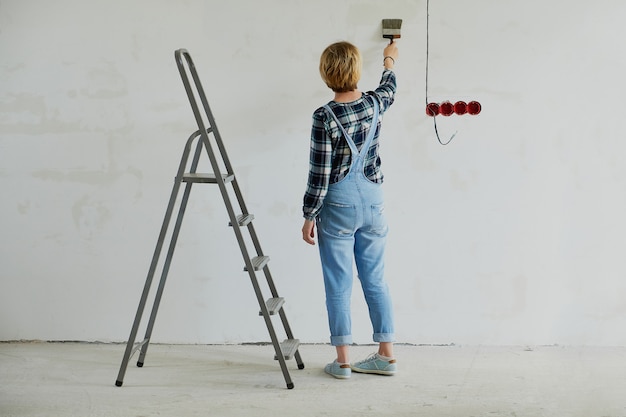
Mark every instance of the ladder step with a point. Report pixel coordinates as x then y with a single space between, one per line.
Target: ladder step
289 347
206 178
243 219
258 263
273 305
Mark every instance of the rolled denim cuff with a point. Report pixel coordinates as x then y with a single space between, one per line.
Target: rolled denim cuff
341 340
384 337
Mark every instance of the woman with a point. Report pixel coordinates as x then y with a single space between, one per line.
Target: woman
344 200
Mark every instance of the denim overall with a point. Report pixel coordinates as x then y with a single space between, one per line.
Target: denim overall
352 229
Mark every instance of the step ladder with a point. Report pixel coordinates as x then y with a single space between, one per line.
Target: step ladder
255 261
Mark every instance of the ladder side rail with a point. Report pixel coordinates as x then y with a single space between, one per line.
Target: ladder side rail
170 251
270 283
152 269
183 53
179 54
209 114
222 148
270 328
289 333
218 176
281 311
236 228
274 292
214 163
282 314
216 134
259 250
257 289
244 209
244 251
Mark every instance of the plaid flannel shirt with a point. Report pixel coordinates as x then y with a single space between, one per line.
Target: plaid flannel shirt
330 155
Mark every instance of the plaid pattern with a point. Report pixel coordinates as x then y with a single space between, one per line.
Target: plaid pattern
330 156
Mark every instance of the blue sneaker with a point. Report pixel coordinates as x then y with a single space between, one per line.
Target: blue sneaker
373 364
340 371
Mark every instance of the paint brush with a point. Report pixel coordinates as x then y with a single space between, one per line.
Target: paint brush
391 29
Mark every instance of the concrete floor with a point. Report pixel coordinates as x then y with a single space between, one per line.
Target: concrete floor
78 379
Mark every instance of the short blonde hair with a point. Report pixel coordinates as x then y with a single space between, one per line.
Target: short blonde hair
340 67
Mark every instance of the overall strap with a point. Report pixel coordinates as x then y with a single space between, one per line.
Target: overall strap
372 132
370 135
349 140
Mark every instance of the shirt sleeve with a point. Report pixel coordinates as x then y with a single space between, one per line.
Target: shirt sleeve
386 90
320 164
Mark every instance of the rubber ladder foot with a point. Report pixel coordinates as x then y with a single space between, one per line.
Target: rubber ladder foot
290 385
301 366
140 364
118 383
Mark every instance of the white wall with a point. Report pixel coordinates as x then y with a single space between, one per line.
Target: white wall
512 234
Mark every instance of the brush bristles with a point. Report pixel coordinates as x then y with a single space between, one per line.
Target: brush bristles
392 23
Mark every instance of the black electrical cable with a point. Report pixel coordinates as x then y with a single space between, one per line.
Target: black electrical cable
427 57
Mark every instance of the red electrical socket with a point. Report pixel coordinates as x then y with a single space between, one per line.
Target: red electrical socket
460 108
474 107
446 108
432 109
